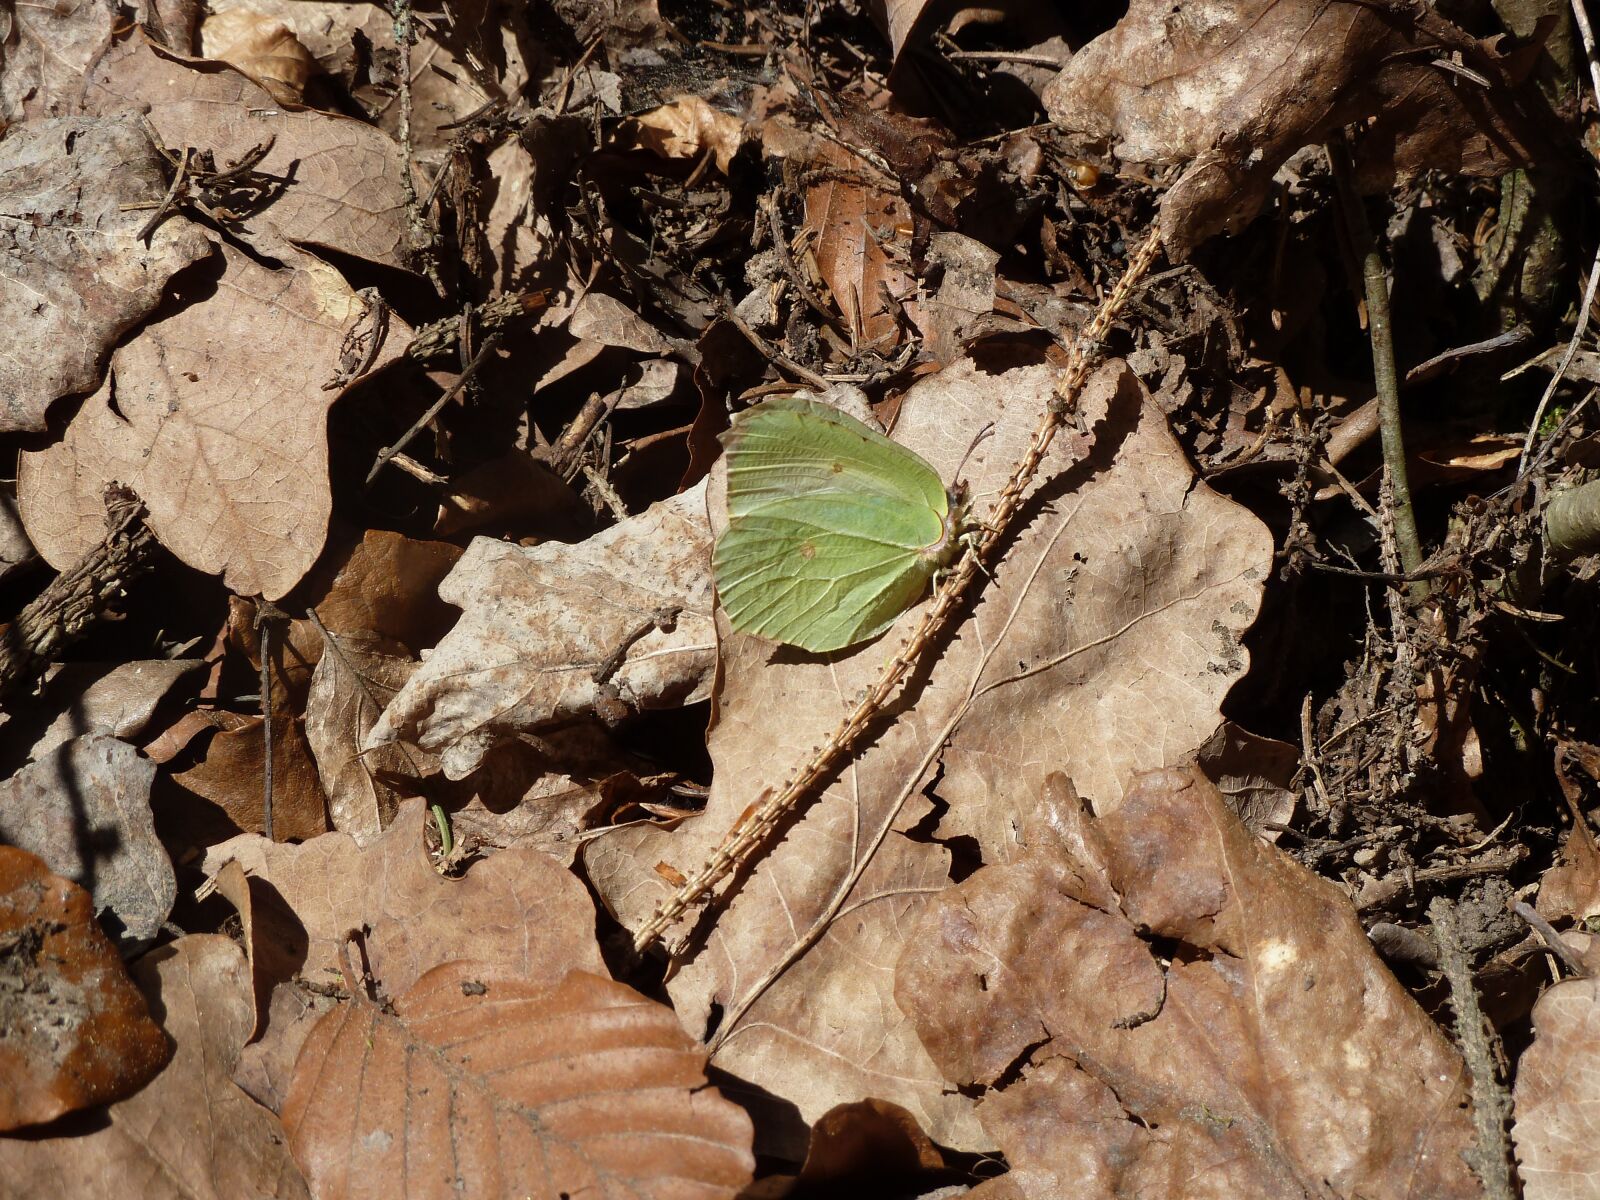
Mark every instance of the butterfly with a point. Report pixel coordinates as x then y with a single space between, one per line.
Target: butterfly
833 529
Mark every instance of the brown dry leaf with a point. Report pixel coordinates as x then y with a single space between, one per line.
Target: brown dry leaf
1231 91
542 797
357 675
16 550
852 215
489 1086
538 621
1570 890
346 192
1277 1056
518 911
85 809
1557 1102
74 1031
261 48
965 296
46 51
869 1142
604 319
385 584
1105 643
341 38
216 417
74 274
190 1134
82 698
687 128
1255 773
229 776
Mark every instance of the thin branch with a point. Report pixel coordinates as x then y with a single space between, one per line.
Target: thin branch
1385 378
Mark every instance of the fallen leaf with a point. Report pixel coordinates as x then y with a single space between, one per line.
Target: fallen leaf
865 1143
230 777
1255 774
74 1031
216 424
1570 890
520 912
852 215
15 549
347 193
1557 1100
491 1086
49 49
85 809
604 319
687 128
355 677
1105 642
74 274
384 583
82 698
537 621
1274 1056
1230 92
190 1134
265 50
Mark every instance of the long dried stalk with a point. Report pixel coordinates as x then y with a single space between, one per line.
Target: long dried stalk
752 829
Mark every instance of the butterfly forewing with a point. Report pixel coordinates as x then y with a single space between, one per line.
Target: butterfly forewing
790 446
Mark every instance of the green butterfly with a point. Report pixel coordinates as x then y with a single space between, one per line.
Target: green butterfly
833 530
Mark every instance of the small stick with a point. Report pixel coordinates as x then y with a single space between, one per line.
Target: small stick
1490 1159
80 596
752 830
1385 379
388 452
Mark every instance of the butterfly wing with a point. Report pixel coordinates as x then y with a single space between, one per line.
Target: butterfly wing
790 446
831 527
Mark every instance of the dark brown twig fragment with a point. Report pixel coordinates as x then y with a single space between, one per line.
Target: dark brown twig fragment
1490 1159
80 596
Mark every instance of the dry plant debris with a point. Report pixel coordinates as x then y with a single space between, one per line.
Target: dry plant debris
491 1086
395 343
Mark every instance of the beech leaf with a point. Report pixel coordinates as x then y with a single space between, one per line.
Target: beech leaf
495 1087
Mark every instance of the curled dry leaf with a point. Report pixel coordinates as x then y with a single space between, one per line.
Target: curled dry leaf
74 1031
687 128
216 417
264 49
1275 1056
1230 91
85 809
494 1087
521 912
1558 1094
1105 641
347 192
190 1134
539 622
355 677
74 274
